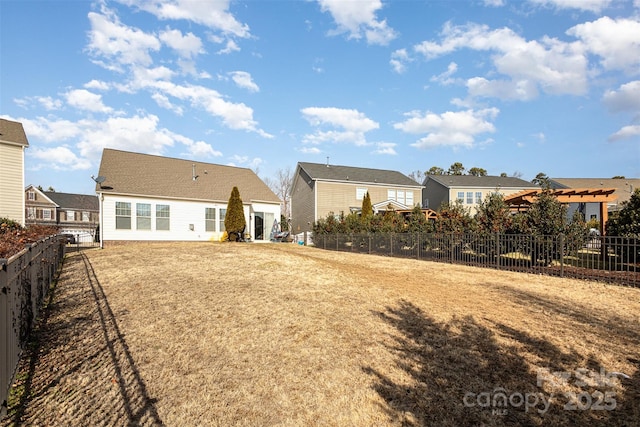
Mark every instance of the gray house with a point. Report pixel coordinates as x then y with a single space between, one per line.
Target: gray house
472 190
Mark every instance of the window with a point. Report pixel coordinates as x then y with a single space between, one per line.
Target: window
400 197
31 195
478 197
143 216
31 213
123 216
360 192
223 213
163 217
209 219
461 195
469 197
391 194
71 216
46 214
86 216
409 198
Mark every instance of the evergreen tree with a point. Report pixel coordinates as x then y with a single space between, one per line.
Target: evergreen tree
494 215
625 223
454 218
367 208
234 220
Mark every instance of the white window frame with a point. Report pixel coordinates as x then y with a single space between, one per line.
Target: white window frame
210 219
391 195
143 221
123 212
46 214
86 216
163 222
408 198
70 215
31 195
360 192
460 196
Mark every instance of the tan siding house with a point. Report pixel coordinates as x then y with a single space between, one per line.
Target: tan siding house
150 198
13 142
321 189
471 190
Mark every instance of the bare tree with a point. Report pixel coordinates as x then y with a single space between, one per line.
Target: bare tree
281 185
417 175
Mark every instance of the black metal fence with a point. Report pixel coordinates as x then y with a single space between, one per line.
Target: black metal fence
25 279
605 258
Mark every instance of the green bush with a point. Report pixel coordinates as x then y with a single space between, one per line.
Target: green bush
234 220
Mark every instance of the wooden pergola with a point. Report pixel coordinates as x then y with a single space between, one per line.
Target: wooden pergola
523 199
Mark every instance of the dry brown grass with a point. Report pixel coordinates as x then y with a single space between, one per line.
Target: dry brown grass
278 334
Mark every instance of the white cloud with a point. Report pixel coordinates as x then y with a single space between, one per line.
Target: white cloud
115 42
79 144
187 46
522 90
246 161
244 80
58 158
589 5
445 77
615 41
351 120
82 99
626 98
358 18
234 115
551 65
97 85
352 125
164 102
626 132
212 14
230 46
450 128
494 3
399 60
387 148
310 150
49 103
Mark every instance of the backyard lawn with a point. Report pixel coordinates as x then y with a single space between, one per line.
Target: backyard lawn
221 334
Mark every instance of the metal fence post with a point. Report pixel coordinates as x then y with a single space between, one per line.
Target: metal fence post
561 240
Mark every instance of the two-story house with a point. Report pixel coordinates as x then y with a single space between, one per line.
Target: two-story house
471 190
13 142
319 189
76 214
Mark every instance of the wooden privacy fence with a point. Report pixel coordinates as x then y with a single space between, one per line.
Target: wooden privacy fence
25 279
608 258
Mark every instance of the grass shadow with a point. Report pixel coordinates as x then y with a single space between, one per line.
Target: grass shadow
465 373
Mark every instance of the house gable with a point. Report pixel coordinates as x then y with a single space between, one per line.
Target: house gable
13 142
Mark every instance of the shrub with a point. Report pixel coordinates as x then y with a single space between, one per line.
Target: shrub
234 220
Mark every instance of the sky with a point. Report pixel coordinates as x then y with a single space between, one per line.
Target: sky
516 87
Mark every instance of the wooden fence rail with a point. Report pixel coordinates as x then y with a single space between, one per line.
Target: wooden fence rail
25 279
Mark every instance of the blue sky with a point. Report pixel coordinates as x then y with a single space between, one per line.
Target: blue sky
518 87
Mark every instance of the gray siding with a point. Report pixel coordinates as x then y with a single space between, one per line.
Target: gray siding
302 202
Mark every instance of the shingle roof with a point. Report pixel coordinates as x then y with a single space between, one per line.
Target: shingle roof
480 181
73 201
321 171
155 176
12 132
